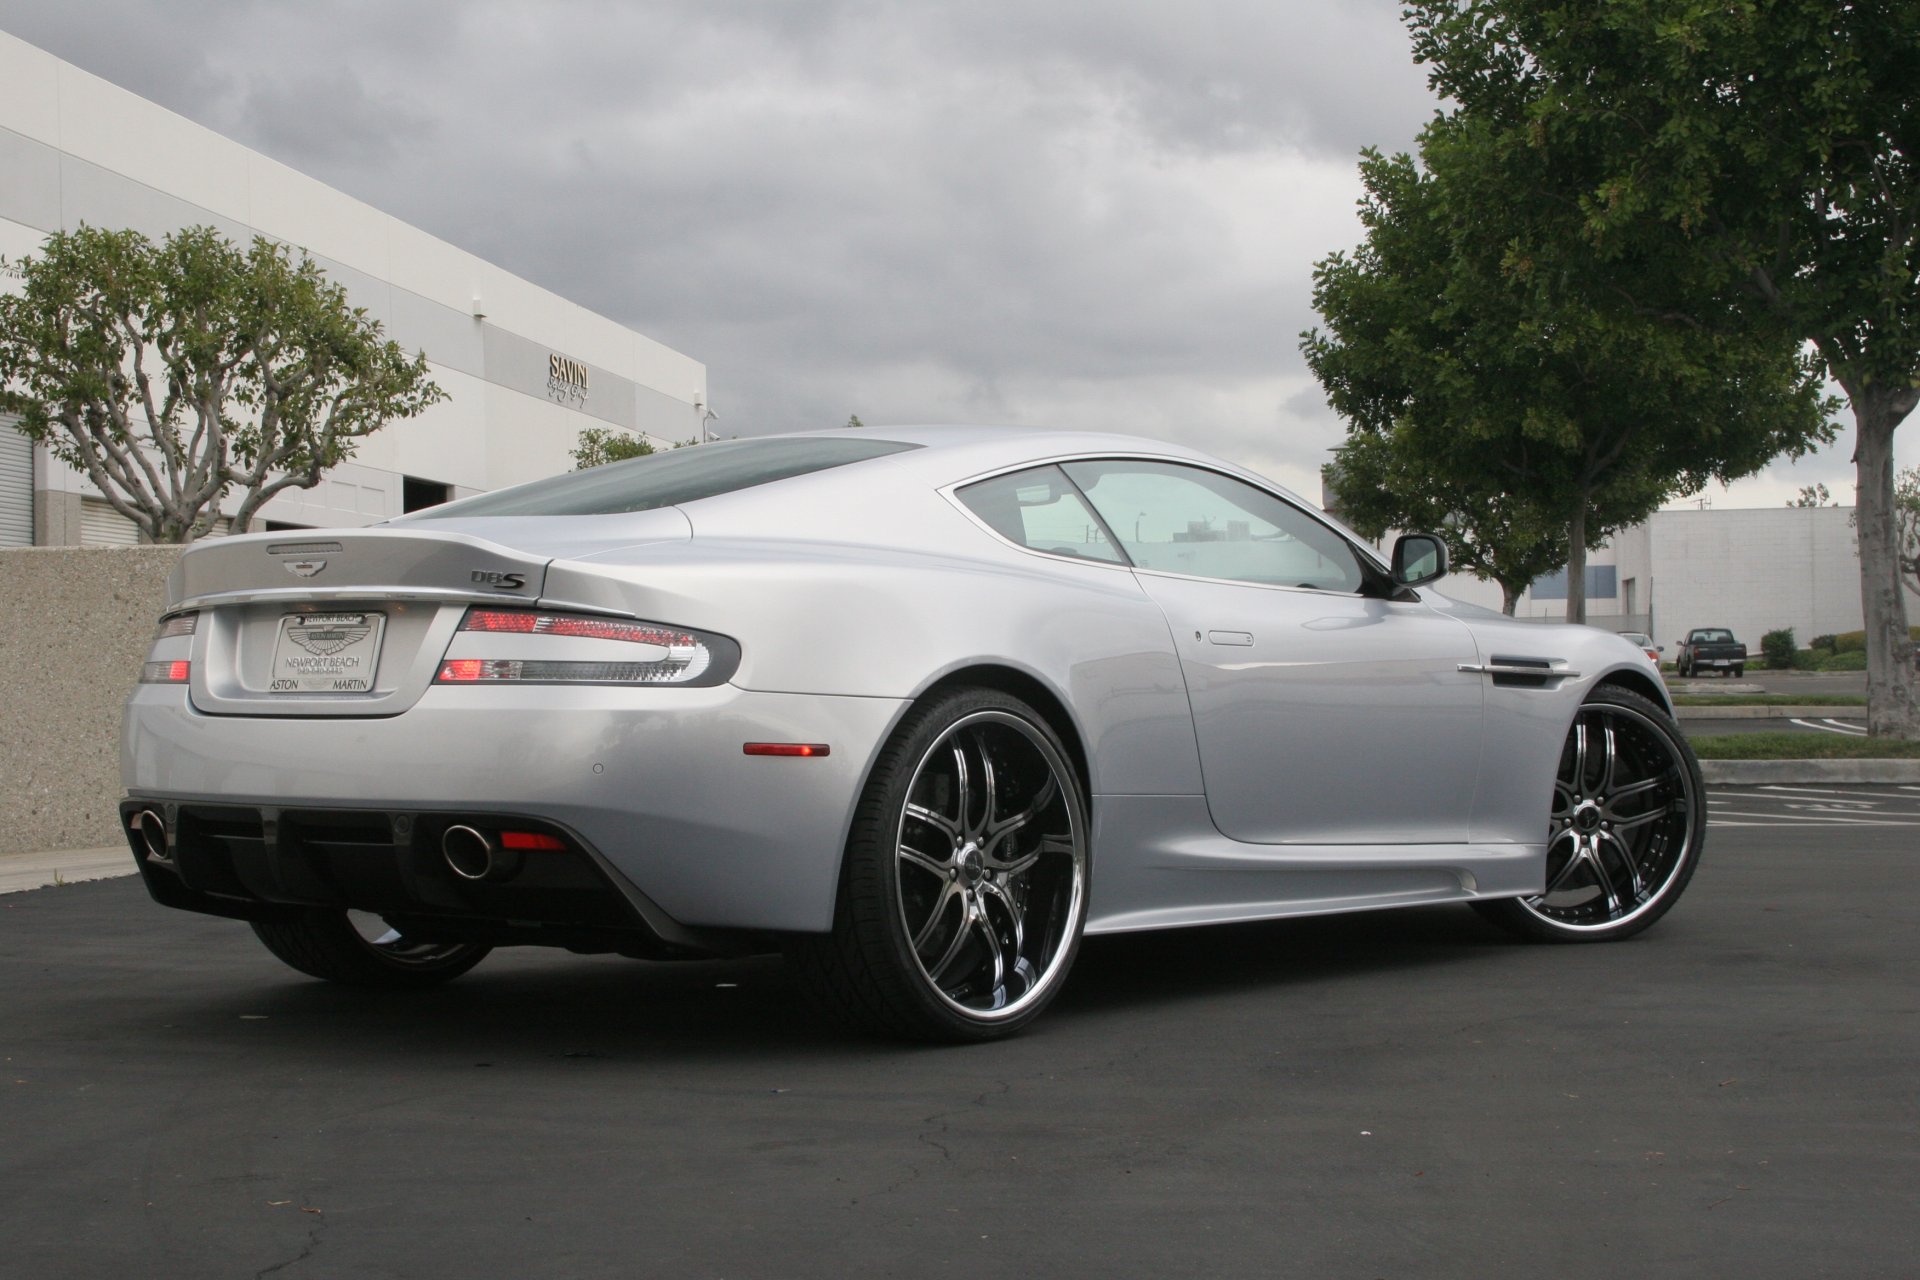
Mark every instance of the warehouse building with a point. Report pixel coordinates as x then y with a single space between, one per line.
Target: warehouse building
525 370
1754 571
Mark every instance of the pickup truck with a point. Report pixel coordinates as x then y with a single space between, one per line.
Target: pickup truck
1711 649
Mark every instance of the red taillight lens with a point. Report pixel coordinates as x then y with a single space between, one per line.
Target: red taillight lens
578 652
527 622
786 748
175 671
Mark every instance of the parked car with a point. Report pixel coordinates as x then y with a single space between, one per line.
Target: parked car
1647 646
1711 649
919 707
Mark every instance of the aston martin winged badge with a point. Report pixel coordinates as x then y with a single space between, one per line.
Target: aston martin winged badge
322 635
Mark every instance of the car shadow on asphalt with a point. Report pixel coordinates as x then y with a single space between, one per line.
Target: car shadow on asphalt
532 1004
169 971
1119 971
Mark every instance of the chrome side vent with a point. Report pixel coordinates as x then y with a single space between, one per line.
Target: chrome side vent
1523 672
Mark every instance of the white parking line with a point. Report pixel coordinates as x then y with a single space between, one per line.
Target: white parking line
1848 793
1820 820
1831 726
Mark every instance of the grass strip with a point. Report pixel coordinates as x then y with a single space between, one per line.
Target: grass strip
1769 700
1801 746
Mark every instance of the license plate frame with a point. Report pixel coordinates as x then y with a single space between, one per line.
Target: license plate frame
327 652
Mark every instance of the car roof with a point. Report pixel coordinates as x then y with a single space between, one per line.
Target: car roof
951 453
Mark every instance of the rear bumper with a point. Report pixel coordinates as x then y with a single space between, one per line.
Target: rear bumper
650 786
253 862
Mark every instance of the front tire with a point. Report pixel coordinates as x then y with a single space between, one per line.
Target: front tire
1625 829
964 888
340 947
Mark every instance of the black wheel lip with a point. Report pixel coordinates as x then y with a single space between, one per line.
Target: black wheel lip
1691 786
1036 996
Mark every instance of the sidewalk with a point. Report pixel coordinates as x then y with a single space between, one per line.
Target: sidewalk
22 871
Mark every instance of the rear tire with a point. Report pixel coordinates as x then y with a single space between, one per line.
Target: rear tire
964 887
1625 830
323 943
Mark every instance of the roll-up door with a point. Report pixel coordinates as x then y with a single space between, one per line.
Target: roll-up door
16 487
102 526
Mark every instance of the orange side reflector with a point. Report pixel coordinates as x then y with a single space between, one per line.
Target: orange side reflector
786 748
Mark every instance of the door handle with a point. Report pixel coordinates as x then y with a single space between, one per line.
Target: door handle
1243 639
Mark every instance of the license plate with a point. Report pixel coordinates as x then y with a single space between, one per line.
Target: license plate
327 652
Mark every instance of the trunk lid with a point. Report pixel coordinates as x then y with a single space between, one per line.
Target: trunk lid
353 622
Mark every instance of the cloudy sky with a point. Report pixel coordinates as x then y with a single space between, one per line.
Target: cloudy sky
1060 212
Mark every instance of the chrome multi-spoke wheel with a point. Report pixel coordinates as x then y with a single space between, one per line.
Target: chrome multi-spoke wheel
966 880
1624 829
991 863
361 949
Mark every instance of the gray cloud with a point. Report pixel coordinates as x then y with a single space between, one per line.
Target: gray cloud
1087 214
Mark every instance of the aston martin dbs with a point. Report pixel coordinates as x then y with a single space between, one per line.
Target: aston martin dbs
919 707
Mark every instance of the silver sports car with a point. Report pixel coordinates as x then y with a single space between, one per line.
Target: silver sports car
920 707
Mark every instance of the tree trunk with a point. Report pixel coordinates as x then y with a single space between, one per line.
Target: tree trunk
1577 560
1892 711
1510 597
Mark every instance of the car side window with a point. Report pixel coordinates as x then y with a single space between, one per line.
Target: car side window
1182 519
1040 509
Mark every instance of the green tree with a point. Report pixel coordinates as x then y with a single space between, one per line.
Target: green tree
1813 495
1771 145
172 373
601 445
853 420
1524 395
1498 535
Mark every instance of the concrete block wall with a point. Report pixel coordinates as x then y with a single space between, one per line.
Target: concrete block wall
1755 571
74 627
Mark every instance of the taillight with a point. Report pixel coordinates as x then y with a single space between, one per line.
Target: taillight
174 636
530 646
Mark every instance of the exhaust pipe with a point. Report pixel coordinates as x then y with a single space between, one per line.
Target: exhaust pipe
472 856
151 830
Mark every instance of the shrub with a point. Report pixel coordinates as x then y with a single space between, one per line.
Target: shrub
1778 646
1845 660
1821 644
1856 641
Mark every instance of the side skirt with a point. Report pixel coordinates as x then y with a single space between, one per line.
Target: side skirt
1159 862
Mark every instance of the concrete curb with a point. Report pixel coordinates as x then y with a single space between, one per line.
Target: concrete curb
1858 712
20 872
1753 773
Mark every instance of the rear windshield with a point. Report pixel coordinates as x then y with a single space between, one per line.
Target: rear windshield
667 479
1713 637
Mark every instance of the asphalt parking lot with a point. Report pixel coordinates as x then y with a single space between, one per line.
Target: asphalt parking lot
1850 721
1401 1094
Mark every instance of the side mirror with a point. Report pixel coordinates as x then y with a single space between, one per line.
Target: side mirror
1418 558
1659 648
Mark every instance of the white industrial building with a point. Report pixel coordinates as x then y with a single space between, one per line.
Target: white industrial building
1753 570
74 149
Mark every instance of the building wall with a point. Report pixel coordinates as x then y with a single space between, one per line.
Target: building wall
74 148
1753 570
